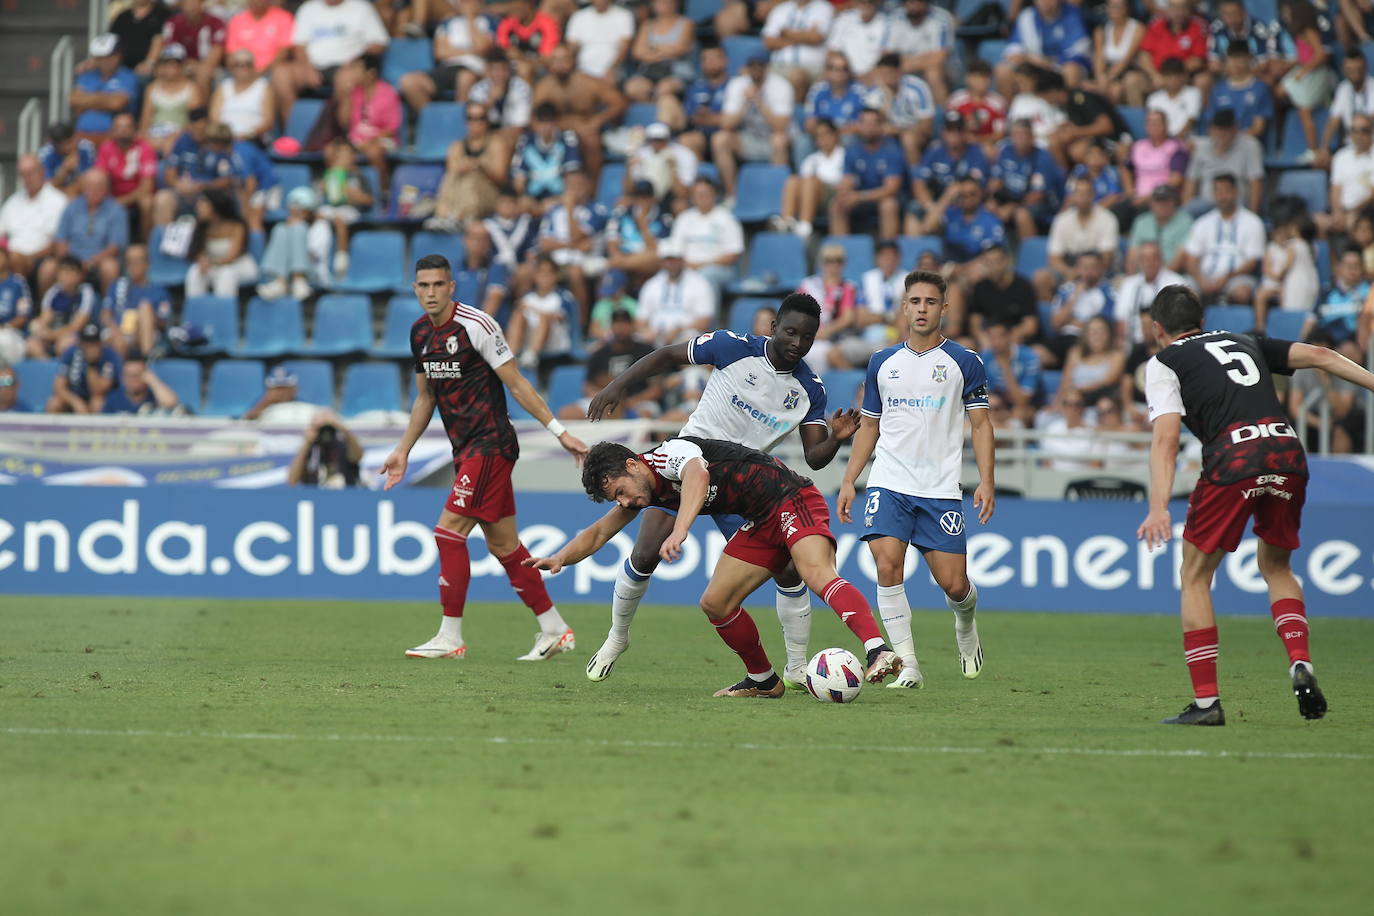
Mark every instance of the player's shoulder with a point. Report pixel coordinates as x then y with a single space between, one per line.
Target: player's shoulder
807 377
962 354
877 359
475 320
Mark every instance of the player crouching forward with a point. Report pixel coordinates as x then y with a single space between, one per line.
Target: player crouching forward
915 400
462 365
787 520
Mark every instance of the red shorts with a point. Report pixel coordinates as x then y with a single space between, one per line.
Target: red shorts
1217 514
769 543
482 488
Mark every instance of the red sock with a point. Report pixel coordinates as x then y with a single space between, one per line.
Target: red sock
739 633
1290 621
527 581
1200 651
455 570
849 603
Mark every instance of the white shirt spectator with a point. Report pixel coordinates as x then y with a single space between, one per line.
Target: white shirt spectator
29 223
652 166
461 35
1071 236
536 307
862 43
1178 109
335 35
912 103
515 112
707 237
794 16
1135 294
1225 244
1060 439
828 168
882 294
936 31
1350 101
1353 173
676 309
777 98
1043 116
598 37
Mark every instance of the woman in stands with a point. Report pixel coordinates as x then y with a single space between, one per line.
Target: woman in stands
220 260
1093 369
244 101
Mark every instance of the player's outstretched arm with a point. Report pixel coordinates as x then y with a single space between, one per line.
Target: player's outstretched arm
532 401
587 542
820 443
658 362
421 412
984 453
1306 356
1157 528
865 440
696 483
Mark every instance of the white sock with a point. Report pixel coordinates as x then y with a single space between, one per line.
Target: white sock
874 643
760 678
1205 702
794 613
451 628
630 586
1293 668
895 612
963 610
551 623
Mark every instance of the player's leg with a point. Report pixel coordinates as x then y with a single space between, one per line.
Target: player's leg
794 615
455 571
889 525
961 597
732 581
1199 636
631 582
814 556
503 541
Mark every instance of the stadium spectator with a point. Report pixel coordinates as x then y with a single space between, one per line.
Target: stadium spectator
94 229
612 296
1030 103
946 161
764 317
1223 151
138 28
279 403
571 234
835 97
369 111
344 196
9 392
668 166
600 34
1158 160
507 96
89 371
513 232
1354 95
810 190
244 101
883 285
16 307
30 217
621 351
1003 297
924 40
1352 176
540 334
1356 20
1308 82
756 119
1067 435
704 101
1076 301
1180 102
1087 117
662 52
969 227
200 35
736 17
330 456
131 164
872 184
1116 49
633 233
984 111
842 341
139 391
220 259
1343 400
543 155
1178 34
480 280
1225 246
527 35
325 36
795 34
1050 35
1095 362
1138 290
66 307
585 104
907 104
1242 92
677 303
1337 313
264 30
1013 371
168 100
1111 186
1234 25
1290 269
64 157
461 44
103 89
297 250
475 168
1082 226
861 34
710 238
1024 182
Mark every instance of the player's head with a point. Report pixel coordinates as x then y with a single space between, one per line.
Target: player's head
433 284
1175 311
795 327
923 302
613 472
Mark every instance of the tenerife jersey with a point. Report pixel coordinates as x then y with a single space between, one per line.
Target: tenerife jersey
746 400
919 400
1222 385
744 481
459 360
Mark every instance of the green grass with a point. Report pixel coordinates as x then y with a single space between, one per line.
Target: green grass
216 757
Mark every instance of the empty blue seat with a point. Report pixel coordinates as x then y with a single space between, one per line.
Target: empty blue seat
292 175
858 250
183 377
426 243
164 269
608 186
439 125
218 318
739 48
410 185
235 386
401 312
565 386
314 380
1238 318
35 381
702 11
992 51
1049 382
376 262
1309 184
758 193
273 328
912 247
1034 254
299 123
370 386
742 312
1134 116
1286 325
776 263
641 114
404 55
1321 253
842 388
343 325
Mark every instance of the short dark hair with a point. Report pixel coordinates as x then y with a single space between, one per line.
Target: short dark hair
885 245
802 303
979 66
371 62
71 262
1238 49
1177 308
546 111
826 122
605 462
1172 66
926 276
1351 249
1226 177
1049 81
434 262
60 132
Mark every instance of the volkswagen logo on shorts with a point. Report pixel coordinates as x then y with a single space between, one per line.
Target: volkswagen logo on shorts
952 522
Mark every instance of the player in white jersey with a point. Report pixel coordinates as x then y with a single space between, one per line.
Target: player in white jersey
759 391
915 400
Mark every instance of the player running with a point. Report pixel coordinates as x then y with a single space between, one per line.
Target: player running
1221 385
787 521
915 400
760 390
461 363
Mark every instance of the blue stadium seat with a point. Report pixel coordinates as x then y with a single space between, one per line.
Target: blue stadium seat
742 312
1134 116
272 329
858 250
415 181
1034 254
1293 142
992 51
739 48
163 269
373 182
565 386
314 380
1263 10
370 386
708 170
641 114
183 377
1045 311
1367 49
609 185
842 388
759 191
303 116
426 243
1238 318
343 325
235 386
702 11
292 175
376 262
913 246
1321 253
439 125
218 318
779 254
1049 382
401 312
1287 325
1309 184
35 381
404 55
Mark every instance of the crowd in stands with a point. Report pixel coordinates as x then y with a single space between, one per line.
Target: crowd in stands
611 177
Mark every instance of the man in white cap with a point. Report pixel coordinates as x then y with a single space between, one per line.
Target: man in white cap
280 401
666 164
103 90
677 303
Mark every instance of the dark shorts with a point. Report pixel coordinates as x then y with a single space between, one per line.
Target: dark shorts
444 76
768 543
1217 513
482 488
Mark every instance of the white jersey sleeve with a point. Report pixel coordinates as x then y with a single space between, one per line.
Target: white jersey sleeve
670 458
485 335
1163 394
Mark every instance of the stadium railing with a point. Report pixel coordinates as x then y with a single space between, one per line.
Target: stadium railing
61 71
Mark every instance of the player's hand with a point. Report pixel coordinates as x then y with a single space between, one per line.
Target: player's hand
672 547
1156 530
574 445
844 423
394 469
605 402
844 501
984 500
551 565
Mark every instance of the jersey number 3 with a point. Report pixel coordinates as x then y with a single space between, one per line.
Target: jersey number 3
1246 373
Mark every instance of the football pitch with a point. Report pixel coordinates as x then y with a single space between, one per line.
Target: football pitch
206 757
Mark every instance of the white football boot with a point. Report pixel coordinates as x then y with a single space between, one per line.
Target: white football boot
908 679
547 645
970 651
604 659
438 647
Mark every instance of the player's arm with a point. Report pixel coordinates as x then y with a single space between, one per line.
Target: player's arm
984 454
865 441
421 412
696 483
1306 356
1157 527
662 360
820 441
587 542
525 395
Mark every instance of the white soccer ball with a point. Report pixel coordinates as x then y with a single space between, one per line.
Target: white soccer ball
835 676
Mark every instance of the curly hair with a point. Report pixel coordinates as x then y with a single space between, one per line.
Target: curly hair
605 462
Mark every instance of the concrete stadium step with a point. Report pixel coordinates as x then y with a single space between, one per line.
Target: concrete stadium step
24 60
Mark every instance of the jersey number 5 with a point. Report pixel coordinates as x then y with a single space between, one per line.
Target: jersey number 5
1247 374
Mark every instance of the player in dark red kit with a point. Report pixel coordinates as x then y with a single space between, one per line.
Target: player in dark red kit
461 363
787 520
1221 385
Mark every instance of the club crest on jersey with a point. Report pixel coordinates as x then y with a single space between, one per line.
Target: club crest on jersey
451 345
792 398
940 373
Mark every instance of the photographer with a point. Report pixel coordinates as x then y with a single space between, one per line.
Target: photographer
329 455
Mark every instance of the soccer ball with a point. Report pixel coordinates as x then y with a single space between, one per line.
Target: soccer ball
835 676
